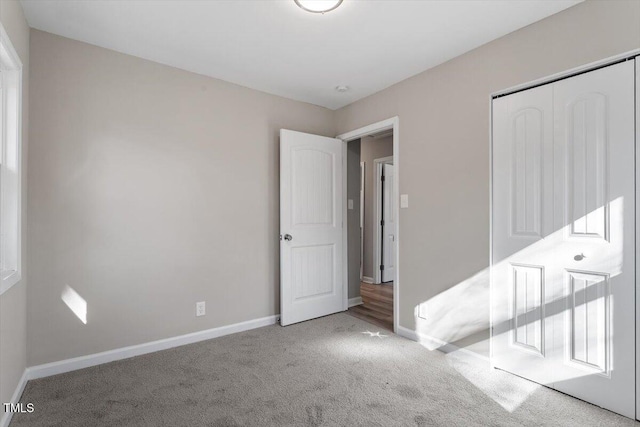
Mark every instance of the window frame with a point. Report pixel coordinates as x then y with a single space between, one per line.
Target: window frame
10 163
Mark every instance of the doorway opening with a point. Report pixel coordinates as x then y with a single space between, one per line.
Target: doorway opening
314 208
371 227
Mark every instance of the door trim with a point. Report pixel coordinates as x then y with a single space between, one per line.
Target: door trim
362 189
377 192
637 142
585 68
392 123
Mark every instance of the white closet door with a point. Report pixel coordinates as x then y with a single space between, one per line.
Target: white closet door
594 329
522 217
563 228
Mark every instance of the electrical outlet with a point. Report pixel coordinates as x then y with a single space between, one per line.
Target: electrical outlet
422 311
200 308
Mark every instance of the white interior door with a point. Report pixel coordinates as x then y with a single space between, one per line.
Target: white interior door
388 224
311 226
563 267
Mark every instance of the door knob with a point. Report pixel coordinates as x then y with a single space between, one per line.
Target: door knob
288 237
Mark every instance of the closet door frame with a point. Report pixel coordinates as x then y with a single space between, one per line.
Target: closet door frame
637 145
633 55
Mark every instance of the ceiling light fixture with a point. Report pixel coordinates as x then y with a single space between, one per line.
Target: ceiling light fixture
318 6
342 88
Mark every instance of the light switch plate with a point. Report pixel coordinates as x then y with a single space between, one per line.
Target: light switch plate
350 204
404 200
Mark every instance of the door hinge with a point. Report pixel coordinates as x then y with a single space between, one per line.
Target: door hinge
382 178
382 222
381 267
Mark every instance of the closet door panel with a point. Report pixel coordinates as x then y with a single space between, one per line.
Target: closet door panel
522 222
594 209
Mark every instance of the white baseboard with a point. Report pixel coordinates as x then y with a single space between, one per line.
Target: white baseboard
6 416
355 301
436 343
68 365
366 279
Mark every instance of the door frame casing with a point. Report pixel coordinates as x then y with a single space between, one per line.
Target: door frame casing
377 196
392 123
361 201
633 55
637 317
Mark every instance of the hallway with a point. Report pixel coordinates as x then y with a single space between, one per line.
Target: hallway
377 305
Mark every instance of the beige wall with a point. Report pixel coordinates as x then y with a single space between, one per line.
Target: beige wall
13 318
444 156
371 149
150 188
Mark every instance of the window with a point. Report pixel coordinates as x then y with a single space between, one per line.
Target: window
10 163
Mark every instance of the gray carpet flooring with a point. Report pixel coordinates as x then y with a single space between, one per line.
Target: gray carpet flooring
325 372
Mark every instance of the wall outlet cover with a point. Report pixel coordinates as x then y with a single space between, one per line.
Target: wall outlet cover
200 308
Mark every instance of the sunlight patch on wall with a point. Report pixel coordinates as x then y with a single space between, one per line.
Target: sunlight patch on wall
461 311
458 312
75 302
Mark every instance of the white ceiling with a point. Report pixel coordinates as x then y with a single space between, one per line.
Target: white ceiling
276 47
